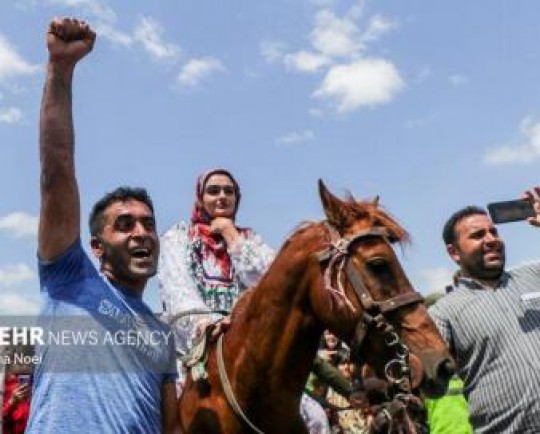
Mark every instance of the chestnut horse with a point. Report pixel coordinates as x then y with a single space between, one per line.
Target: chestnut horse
328 275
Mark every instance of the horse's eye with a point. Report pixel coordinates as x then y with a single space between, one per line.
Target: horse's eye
378 265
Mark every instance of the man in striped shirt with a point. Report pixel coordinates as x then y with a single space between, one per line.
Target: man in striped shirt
491 322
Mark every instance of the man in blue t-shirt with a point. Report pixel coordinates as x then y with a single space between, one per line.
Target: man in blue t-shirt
107 363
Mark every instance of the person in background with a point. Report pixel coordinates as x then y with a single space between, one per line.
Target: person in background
491 323
17 389
448 414
332 349
345 420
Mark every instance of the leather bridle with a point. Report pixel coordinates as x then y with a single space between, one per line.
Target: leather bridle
337 259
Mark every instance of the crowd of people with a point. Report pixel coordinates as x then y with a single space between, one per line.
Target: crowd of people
490 319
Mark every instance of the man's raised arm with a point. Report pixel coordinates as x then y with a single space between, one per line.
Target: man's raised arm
68 41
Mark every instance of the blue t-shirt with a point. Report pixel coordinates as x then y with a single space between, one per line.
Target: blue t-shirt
104 356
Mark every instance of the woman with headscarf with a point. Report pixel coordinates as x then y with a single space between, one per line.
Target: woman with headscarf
205 265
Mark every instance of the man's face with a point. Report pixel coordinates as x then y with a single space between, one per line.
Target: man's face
219 196
478 249
128 246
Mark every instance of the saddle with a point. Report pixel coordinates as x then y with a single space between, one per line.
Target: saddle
195 360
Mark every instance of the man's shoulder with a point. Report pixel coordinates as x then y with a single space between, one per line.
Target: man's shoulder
530 267
71 265
452 301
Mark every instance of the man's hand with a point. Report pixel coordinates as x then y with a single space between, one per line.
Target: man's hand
69 40
533 196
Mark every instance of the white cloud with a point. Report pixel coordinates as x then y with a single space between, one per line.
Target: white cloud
19 224
114 35
376 28
339 50
10 115
12 275
271 51
435 279
305 61
11 63
527 151
458 80
148 32
296 137
14 304
365 82
333 36
93 8
198 69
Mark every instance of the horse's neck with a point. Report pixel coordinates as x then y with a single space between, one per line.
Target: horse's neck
279 333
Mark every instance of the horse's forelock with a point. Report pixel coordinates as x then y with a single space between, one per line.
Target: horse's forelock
378 217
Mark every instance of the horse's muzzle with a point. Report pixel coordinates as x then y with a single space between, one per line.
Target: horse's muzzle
435 382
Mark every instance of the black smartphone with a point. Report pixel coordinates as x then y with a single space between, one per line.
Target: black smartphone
24 379
510 211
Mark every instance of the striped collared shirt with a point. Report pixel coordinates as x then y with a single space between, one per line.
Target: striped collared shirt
494 335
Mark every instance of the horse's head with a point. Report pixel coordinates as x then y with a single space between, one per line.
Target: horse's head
373 305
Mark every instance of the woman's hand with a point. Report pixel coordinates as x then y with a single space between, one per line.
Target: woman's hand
226 228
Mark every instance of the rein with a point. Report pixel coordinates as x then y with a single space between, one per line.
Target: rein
227 388
190 312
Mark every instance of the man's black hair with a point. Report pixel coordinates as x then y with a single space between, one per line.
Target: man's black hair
449 230
121 194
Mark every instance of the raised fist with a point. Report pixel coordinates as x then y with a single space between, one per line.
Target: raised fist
69 40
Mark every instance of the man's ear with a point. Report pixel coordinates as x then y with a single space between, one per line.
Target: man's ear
97 246
454 253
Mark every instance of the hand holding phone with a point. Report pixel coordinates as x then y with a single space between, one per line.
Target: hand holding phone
511 211
533 195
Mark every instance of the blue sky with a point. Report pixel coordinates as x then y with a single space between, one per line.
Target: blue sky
431 105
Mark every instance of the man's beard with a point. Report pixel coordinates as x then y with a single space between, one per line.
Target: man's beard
478 269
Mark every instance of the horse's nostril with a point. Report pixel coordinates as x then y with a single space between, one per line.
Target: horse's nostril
446 370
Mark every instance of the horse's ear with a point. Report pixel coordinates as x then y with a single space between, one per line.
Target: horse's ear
376 201
333 207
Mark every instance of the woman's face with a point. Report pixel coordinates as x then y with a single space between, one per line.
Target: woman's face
219 196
